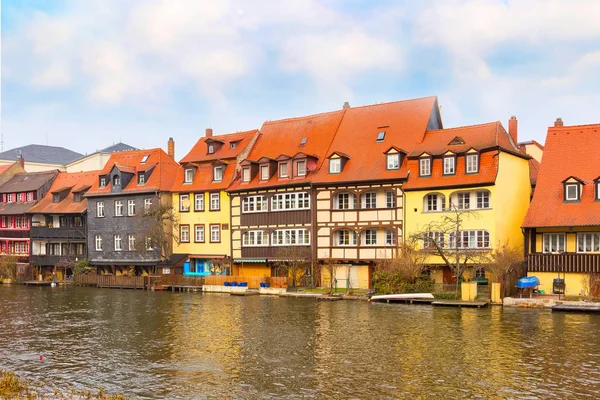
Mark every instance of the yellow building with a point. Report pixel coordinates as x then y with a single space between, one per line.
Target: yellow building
562 226
201 204
475 175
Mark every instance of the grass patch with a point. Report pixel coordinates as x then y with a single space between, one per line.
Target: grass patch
446 295
10 384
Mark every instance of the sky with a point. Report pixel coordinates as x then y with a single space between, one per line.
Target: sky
85 74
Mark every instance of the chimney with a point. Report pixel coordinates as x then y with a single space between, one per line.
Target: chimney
559 122
21 160
346 105
171 148
208 132
513 129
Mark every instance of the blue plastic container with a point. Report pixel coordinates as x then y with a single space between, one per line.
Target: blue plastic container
528 282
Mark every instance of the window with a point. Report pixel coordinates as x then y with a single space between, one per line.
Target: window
335 166
131 240
199 233
254 204
554 242
483 199
472 161
380 136
369 200
301 168
345 201
425 167
464 201
116 180
283 170
290 237
21 247
118 243
189 175
393 161
55 198
199 202
478 239
290 201
233 145
390 199
432 240
480 273
246 175
19 197
211 148
9 197
184 233
346 237
255 238
77 197
215 233
390 237
149 244
571 191
303 142
370 237
141 178
102 182
184 202
4 225
144 159
434 202
218 174
29 196
215 202
597 190
118 208
147 204
264 172
449 165
131 208
588 242
100 209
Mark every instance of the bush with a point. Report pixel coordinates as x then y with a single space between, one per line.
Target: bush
385 282
446 295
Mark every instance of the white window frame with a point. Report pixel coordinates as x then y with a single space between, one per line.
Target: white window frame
254 204
301 168
246 174
149 246
264 172
118 208
147 204
131 242
344 201
475 239
432 202
588 242
188 175
19 197
463 200
290 237
425 167
369 237
29 196
283 170
472 163
215 201
390 199
256 238
335 165
184 233
290 201
554 242
346 237
102 181
218 173
182 199
199 233
215 234
449 165
198 201
131 208
369 200
118 243
393 161
211 148
576 187
100 209
483 200
390 237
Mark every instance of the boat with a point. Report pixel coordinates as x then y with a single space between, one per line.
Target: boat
528 282
402 296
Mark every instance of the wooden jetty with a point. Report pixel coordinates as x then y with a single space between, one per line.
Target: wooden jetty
38 283
186 288
329 298
405 301
246 293
460 303
580 307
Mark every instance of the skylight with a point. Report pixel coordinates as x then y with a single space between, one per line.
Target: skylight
145 158
303 141
233 145
380 136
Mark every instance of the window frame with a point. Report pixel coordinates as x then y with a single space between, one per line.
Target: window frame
184 233
290 201
390 237
335 165
218 201
483 196
344 234
577 189
283 170
250 204
119 208
368 200
392 166
369 239
301 172
218 231
201 197
246 174
390 199
184 197
291 237
196 231
218 177
141 178
98 241
100 209
425 162
475 163
448 161
129 242
130 205
594 245
254 235
263 169
554 240
188 175
118 239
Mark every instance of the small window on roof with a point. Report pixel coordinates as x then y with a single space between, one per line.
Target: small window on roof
211 148
233 145
380 136
145 158
303 141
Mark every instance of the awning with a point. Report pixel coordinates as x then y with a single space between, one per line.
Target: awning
249 261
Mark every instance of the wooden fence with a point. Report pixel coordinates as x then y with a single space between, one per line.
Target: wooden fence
176 280
253 281
111 281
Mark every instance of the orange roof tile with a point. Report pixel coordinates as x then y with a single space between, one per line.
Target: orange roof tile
161 179
486 138
569 151
199 152
203 178
65 181
534 168
404 124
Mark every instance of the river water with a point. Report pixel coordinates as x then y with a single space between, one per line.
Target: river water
192 345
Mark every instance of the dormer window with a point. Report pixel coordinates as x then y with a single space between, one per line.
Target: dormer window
393 161
449 165
283 170
380 136
425 167
264 172
246 174
56 198
301 168
472 163
233 145
77 198
102 182
597 189
144 159
211 148
116 181
188 175
141 179
335 166
218 174
572 191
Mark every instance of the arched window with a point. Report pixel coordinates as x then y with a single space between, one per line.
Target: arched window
345 237
434 202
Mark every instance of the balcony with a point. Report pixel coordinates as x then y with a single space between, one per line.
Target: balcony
14 233
563 262
53 260
38 232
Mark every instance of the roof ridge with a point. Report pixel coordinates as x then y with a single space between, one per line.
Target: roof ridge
231 134
464 126
393 102
277 121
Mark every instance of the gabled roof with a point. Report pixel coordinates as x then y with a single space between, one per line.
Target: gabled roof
404 123
199 152
569 151
27 182
41 154
203 178
161 179
117 148
74 182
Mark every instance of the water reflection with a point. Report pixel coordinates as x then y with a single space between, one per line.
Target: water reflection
188 345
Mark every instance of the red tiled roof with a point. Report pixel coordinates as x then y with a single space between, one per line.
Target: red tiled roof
63 182
161 179
199 152
404 124
534 168
490 137
284 137
569 151
203 178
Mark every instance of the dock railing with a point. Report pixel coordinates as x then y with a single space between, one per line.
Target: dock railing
253 281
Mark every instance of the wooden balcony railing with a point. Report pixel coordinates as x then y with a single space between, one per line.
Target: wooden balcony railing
39 232
563 262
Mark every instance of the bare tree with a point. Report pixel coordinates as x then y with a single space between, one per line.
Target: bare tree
502 262
330 267
159 227
293 262
218 265
443 238
8 267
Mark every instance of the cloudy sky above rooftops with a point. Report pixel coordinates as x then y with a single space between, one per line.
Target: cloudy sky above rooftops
84 74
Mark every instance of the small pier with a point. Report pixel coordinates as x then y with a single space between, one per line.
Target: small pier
38 283
329 298
185 288
246 293
460 303
405 301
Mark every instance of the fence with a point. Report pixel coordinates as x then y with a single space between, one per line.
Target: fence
253 281
176 280
111 281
